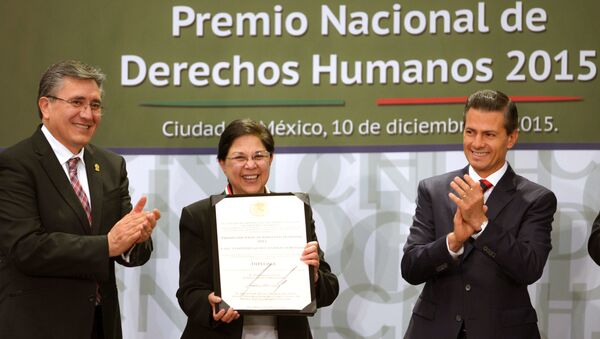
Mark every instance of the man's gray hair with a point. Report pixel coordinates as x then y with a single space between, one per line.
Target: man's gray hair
53 77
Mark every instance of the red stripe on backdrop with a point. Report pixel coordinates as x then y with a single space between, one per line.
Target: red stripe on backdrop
461 100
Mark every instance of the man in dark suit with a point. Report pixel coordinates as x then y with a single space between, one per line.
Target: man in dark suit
66 217
594 241
478 249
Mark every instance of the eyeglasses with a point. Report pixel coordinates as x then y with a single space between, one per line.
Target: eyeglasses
95 106
259 157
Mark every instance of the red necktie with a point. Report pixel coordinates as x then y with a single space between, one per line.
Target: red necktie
78 189
485 185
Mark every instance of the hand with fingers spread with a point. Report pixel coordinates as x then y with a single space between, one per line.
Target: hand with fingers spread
135 227
223 315
310 256
469 199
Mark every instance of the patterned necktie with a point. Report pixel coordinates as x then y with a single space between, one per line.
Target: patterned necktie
485 185
78 189
84 202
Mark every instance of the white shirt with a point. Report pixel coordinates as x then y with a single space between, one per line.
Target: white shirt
259 327
493 178
63 155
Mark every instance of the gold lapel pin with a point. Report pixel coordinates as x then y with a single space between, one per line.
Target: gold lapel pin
97 167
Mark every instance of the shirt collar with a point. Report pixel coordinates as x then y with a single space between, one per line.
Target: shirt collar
62 153
493 178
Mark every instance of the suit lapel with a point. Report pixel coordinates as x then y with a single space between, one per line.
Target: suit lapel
57 175
96 189
502 194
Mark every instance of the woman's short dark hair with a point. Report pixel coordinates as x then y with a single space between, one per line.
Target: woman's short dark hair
241 127
494 101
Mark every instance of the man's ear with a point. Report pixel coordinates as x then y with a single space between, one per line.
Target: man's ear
44 105
512 138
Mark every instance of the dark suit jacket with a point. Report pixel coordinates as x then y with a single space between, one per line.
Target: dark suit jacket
50 259
594 241
486 288
196 282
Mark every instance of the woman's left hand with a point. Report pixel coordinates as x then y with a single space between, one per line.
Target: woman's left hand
310 256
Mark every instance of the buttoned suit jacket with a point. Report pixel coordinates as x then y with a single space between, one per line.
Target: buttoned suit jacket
51 260
196 282
486 287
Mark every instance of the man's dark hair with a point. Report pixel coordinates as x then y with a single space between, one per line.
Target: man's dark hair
53 77
494 101
241 127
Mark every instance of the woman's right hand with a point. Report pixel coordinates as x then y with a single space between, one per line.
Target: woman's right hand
225 316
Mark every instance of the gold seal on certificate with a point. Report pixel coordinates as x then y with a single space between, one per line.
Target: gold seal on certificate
259 208
257 242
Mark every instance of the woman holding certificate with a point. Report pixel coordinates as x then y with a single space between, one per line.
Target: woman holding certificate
245 154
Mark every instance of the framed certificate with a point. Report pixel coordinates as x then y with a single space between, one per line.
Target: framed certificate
257 244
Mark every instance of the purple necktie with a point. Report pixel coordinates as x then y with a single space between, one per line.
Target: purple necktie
78 189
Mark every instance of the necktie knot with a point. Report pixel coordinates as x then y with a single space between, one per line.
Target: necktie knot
73 165
485 185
